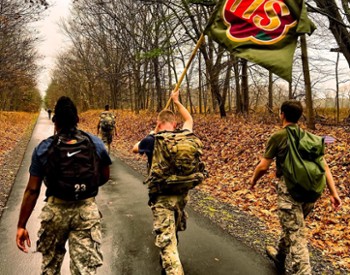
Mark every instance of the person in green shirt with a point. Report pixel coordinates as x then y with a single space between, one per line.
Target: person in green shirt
291 213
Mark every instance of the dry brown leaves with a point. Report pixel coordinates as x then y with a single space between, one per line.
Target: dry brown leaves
13 125
233 147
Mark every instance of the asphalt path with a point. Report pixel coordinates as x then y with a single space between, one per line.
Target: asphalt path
128 247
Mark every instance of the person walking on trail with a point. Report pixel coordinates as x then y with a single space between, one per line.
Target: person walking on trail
49 111
106 125
292 249
167 207
73 164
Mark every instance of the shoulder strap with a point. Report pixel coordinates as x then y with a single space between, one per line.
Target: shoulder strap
294 134
85 134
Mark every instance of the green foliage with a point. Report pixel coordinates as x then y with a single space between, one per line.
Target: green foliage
152 54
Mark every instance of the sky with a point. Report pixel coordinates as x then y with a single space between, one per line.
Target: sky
53 40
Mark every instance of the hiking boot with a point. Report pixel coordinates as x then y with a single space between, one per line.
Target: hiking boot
278 259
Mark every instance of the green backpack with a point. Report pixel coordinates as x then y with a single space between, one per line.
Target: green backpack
303 167
176 165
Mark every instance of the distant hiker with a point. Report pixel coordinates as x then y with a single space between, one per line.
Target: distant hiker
296 197
73 164
49 111
106 125
170 178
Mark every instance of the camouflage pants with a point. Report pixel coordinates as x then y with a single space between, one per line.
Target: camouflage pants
107 137
293 243
80 224
169 217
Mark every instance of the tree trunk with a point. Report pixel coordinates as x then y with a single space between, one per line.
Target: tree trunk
239 104
227 81
200 84
308 93
213 74
156 67
337 87
290 90
270 103
157 82
245 89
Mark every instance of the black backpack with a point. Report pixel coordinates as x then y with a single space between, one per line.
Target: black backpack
72 169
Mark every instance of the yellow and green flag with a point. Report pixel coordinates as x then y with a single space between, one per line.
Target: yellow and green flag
264 32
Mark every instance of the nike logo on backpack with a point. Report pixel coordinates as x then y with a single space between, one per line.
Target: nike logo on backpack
73 153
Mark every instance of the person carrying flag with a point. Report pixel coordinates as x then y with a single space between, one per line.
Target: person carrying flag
168 210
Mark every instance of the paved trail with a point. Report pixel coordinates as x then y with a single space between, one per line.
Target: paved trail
128 246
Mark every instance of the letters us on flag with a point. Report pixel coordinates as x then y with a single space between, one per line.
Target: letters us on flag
262 31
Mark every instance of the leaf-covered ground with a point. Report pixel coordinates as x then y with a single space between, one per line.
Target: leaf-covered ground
13 125
233 147
15 132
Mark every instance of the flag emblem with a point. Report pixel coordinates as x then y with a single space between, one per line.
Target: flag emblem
262 22
264 32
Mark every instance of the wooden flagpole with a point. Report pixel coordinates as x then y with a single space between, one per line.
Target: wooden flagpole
199 42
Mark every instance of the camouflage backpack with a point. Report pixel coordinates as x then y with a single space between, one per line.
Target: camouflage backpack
176 165
107 121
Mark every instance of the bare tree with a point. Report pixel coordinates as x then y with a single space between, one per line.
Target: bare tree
338 26
131 53
18 56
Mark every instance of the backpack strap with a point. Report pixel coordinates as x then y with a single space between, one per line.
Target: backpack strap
57 136
176 131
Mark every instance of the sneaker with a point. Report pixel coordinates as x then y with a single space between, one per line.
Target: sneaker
277 259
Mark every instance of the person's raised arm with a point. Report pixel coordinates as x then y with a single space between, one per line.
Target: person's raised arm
186 116
30 197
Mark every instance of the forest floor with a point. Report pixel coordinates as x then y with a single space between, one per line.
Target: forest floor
233 147
15 132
